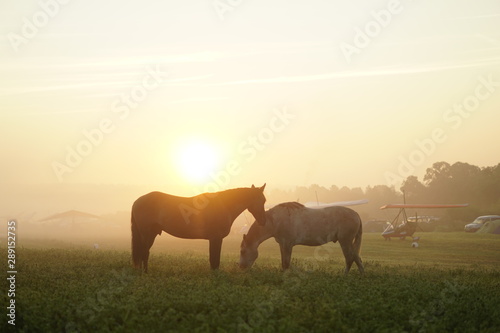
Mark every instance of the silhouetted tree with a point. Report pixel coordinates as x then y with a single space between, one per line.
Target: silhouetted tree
414 190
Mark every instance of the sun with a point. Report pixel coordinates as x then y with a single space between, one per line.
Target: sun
197 159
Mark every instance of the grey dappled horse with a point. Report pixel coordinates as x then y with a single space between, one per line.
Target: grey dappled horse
291 223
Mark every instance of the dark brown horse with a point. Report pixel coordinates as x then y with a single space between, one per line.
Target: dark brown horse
291 224
205 216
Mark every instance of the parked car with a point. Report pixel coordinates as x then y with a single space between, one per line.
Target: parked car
425 223
478 222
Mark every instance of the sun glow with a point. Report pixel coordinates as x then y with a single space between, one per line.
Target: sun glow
196 159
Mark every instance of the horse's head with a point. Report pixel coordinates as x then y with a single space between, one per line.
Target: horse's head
248 253
256 206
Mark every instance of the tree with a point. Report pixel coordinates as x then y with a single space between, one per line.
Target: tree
414 190
439 172
463 184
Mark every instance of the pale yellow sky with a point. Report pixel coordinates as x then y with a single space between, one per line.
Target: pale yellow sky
289 93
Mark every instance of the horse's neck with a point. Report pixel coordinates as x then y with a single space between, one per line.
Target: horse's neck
257 234
235 200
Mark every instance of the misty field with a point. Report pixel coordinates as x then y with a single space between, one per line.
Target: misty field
450 283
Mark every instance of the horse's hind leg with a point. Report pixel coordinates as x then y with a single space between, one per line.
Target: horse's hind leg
359 263
348 251
149 238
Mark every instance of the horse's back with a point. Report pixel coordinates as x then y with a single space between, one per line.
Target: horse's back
346 219
344 213
160 210
159 200
329 216
155 197
317 226
184 217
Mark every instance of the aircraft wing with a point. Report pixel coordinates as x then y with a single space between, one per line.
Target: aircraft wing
312 204
423 206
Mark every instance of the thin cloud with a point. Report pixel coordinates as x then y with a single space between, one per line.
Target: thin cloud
94 84
391 71
196 100
46 113
476 17
488 39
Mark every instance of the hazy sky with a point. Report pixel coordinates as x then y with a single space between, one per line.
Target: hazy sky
290 93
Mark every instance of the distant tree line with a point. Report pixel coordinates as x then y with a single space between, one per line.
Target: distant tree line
442 184
458 183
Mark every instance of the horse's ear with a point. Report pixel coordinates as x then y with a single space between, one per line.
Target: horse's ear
253 186
263 187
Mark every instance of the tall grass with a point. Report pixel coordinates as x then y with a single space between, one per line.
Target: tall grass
450 283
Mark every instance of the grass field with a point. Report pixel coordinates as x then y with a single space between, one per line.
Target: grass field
450 283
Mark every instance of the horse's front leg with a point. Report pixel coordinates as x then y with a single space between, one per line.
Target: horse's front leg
215 248
286 255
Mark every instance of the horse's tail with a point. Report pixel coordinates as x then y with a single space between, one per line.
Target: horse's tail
358 237
137 246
